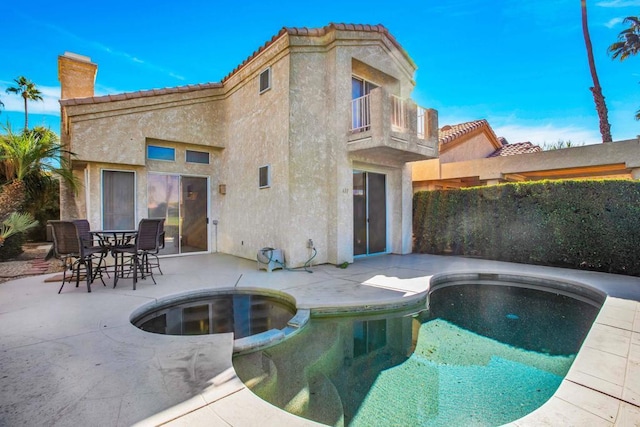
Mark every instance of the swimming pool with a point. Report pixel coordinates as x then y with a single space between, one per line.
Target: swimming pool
489 349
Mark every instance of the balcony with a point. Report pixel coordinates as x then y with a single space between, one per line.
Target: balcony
387 128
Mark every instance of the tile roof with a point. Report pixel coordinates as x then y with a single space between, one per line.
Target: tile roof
517 148
450 133
295 31
319 32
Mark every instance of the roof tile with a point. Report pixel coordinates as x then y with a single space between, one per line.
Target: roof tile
450 133
303 31
517 148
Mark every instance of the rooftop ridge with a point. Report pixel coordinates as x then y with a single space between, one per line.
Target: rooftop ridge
450 133
294 31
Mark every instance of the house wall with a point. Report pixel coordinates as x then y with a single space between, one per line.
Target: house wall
119 136
299 128
256 131
477 146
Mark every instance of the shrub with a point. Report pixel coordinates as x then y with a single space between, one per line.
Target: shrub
12 247
591 224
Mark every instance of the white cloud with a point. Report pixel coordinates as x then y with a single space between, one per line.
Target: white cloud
619 3
547 133
114 52
613 22
49 104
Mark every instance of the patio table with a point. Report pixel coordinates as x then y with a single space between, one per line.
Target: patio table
114 239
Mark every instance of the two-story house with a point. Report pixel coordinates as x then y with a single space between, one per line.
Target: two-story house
309 138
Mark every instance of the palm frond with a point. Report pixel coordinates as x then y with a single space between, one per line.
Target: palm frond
16 223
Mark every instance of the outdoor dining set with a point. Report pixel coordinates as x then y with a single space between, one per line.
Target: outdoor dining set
92 254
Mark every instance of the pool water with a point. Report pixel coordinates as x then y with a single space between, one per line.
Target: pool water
481 356
240 313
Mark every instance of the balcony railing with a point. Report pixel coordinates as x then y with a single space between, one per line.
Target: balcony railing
386 127
421 123
361 114
398 114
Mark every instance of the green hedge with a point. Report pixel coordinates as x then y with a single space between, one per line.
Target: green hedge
591 224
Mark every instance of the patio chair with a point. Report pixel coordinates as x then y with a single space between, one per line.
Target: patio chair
132 257
89 242
150 257
74 255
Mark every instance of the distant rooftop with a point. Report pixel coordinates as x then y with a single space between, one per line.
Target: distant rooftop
517 148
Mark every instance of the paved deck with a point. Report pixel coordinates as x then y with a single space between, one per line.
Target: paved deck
75 359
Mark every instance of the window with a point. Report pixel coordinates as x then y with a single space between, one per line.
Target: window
197 157
118 200
155 152
264 176
265 80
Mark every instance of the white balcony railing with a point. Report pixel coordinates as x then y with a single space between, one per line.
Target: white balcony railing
398 114
421 123
361 114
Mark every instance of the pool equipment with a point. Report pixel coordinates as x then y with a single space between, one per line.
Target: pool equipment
270 259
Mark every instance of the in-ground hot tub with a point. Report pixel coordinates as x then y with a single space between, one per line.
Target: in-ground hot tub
257 317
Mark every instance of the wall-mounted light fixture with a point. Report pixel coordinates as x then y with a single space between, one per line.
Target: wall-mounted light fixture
222 188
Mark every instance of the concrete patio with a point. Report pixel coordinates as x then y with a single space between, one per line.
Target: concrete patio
75 359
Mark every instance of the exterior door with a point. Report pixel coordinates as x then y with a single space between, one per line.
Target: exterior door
182 201
194 215
369 213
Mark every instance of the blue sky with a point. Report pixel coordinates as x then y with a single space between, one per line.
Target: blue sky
520 65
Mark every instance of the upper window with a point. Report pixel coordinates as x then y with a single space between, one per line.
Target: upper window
264 176
155 152
265 80
197 157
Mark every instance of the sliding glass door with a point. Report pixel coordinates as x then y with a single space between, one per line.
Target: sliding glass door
183 202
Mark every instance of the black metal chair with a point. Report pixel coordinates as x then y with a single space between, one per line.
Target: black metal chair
69 249
94 245
132 257
150 258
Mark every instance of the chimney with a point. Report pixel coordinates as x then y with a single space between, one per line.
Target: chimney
77 76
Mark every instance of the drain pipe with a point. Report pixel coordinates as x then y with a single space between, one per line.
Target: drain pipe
215 222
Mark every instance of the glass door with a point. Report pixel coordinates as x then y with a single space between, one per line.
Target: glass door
194 230
369 213
182 201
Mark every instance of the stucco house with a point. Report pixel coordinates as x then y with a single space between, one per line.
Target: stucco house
472 155
311 137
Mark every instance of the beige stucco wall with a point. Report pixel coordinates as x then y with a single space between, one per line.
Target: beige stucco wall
256 131
299 127
119 137
477 146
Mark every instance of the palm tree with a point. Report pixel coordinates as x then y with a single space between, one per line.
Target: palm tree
30 154
628 43
601 107
628 40
29 92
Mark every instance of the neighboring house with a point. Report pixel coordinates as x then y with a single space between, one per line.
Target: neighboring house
472 155
309 138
